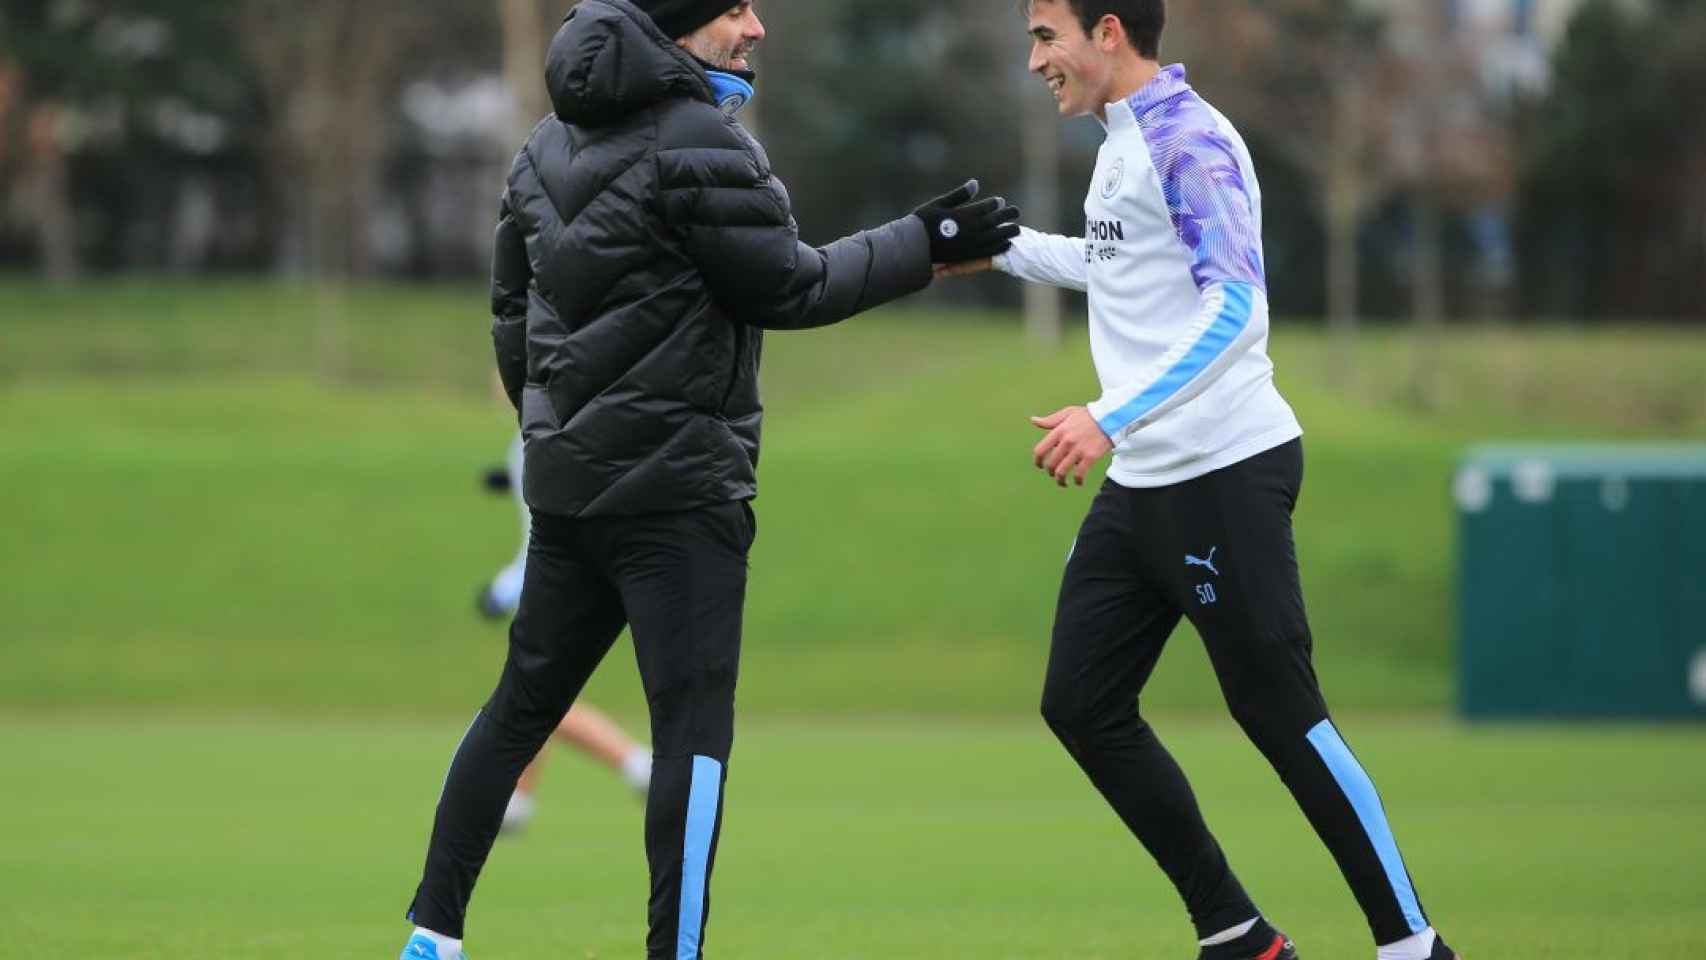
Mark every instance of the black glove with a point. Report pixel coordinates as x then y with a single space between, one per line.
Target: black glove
496 480
961 230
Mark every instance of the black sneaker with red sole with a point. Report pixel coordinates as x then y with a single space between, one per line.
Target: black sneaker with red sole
1441 951
1266 945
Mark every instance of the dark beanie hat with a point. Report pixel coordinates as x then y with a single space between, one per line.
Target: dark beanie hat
678 18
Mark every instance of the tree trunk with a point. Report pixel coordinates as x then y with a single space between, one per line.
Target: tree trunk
330 68
1344 194
1343 266
1039 140
48 190
526 34
1427 300
315 139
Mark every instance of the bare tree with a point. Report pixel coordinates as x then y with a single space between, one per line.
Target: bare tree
1453 153
1316 78
1039 143
329 69
1366 97
33 164
528 26
1435 72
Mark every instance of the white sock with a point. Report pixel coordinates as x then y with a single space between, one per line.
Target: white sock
448 948
1232 933
1414 947
637 769
519 811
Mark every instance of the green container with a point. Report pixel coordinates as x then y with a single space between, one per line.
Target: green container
1582 582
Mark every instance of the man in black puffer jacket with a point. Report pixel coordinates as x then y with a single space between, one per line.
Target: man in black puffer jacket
642 249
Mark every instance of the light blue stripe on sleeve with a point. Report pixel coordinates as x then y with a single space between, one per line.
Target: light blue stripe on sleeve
1233 318
1359 789
702 797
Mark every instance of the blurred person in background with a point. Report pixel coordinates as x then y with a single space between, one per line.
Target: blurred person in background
643 247
1194 519
584 727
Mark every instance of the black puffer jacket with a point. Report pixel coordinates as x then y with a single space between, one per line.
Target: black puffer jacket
643 247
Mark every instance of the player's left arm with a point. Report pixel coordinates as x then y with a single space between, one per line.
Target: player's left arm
1215 218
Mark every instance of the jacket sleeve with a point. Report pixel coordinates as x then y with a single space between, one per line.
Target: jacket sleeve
1046 258
511 277
736 227
1218 220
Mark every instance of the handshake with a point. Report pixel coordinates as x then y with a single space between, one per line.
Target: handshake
962 230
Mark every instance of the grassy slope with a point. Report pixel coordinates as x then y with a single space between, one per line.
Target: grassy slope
251 840
221 507
209 506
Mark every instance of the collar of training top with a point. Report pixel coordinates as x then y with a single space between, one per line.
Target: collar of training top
1164 86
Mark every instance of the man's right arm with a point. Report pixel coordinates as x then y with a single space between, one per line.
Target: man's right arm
734 221
1046 258
735 225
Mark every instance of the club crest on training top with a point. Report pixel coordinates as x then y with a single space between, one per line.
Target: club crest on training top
1116 179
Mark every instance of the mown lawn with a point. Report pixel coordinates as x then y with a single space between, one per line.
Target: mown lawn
247 839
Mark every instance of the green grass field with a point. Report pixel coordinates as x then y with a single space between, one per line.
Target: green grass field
886 839
251 497
243 533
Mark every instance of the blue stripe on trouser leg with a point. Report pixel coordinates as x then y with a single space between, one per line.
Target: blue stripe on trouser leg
702 799
1359 790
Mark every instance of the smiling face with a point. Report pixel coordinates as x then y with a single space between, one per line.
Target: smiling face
1078 67
727 42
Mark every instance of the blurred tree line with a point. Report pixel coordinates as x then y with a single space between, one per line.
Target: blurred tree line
1612 200
1418 159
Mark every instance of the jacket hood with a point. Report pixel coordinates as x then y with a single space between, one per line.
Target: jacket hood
609 60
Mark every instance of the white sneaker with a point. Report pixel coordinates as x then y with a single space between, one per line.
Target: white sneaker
423 947
637 771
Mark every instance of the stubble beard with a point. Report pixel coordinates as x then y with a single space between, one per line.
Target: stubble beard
721 57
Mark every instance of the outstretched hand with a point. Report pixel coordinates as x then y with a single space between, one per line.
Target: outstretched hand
961 227
964 268
1073 445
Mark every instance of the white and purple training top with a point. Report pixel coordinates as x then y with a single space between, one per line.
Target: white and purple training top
1172 260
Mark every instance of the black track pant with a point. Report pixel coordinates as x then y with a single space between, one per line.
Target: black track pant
679 580
1217 549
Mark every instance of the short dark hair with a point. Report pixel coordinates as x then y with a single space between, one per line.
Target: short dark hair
1143 19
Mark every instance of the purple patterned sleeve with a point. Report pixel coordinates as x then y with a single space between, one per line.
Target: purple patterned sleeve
1210 203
